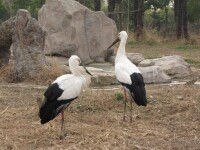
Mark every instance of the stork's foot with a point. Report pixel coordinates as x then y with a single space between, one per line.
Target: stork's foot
136 117
124 118
62 136
63 133
131 119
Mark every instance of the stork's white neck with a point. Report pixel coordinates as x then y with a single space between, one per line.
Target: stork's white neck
76 70
79 71
121 49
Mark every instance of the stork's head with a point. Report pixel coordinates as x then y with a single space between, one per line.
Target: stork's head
122 36
74 61
74 64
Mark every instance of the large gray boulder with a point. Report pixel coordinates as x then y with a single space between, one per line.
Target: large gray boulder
74 29
6 32
104 74
28 45
174 66
154 74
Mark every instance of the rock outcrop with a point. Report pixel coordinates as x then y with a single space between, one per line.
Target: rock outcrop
159 70
74 29
105 75
28 45
6 32
174 66
154 74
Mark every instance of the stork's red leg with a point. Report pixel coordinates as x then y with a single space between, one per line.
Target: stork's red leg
62 125
125 101
62 116
131 103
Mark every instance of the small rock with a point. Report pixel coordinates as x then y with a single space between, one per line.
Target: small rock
179 97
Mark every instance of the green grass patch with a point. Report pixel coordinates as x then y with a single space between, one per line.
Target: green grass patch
186 47
150 42
132 43
193 62
119 96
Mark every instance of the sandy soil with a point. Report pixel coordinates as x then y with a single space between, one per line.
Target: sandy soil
94 120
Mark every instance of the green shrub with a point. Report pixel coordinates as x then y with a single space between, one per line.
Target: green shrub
119 96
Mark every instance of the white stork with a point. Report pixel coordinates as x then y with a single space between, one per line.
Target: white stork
129 75
63 91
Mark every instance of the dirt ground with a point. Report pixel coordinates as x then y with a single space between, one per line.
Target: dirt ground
94 120
171 121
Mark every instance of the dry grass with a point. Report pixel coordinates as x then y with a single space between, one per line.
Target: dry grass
44 76
94 121
151 36
7 73
47 74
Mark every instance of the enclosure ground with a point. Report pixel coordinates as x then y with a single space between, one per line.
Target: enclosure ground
171 121
94 120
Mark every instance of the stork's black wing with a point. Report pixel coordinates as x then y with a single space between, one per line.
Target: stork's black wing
51 107
53 92
137 89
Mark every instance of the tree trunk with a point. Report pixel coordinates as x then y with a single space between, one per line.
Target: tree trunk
179 19
138 18
175 8
135 8
97 5
166 18
111 8
180 12
185 20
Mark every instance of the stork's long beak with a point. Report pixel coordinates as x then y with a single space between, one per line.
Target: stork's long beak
117 40
87 71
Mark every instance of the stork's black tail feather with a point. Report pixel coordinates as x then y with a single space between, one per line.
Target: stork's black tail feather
50 109
137 89
139 96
